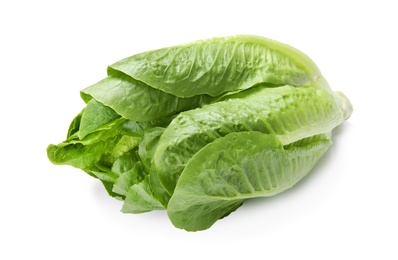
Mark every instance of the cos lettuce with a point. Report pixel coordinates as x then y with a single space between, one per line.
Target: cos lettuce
197 129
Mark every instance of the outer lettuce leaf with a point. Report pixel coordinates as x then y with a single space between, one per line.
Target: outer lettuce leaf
218 65
137 101
287 112
236 167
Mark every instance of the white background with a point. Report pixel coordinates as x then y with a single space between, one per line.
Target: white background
346 208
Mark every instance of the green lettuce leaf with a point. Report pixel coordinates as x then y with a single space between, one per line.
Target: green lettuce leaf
149 144
79 155
140 198
130 171
150 193
129 178
94 116
287 112
219 65
137 101
237 167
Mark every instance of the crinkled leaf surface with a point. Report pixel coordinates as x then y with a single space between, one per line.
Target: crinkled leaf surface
289 113
137 101
218 65
79 155
236 167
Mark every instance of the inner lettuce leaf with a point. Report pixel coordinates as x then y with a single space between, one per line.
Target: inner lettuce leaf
94 116
129 178
140 198
149 145
150 193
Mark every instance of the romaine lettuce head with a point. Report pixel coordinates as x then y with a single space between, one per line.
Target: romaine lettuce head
197 129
